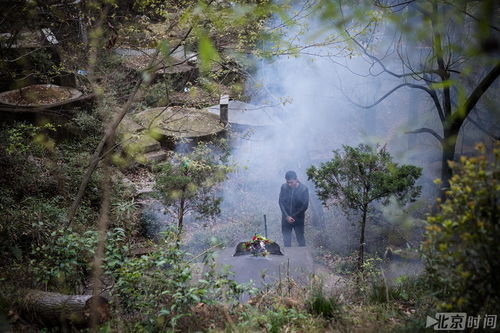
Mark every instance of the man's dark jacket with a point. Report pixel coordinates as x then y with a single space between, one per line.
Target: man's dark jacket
294 202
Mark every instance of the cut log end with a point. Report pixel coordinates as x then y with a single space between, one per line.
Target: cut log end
54 309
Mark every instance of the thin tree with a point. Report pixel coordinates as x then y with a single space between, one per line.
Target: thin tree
447 49
359 176
188 183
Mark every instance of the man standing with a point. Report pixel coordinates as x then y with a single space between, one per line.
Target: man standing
293 201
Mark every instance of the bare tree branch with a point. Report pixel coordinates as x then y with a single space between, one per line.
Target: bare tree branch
431 92
457 118
426 130
443 74
96 157
378 3
378 61
470 15
481 127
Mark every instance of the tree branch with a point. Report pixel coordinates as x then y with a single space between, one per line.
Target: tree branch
96 157
426 130
377 60
493 135
411 85
458 117
470 15
378 3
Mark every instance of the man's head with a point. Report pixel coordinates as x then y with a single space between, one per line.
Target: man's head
291 178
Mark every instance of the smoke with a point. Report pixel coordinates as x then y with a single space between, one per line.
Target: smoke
315 95
310 96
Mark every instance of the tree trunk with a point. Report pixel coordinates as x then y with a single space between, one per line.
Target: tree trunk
362 240
413 121
449 142
181 212
54 309
82 24
110 131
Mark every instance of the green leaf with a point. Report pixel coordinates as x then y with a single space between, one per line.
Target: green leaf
443 84
164 48
206 51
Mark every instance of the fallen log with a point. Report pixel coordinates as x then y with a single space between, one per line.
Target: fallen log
54 309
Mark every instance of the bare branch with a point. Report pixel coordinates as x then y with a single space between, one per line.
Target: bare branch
481 127
458 117
470 15
426 130
378 61
431 92
96 157
378 3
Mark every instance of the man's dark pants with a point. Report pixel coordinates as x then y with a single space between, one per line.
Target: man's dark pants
286 229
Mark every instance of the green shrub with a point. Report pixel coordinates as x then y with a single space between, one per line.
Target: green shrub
326 306
358 177
189 182
24 137
277 318
157 292
66 262
30 222
157 94
408 289
461 246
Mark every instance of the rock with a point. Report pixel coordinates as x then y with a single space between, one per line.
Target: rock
155 156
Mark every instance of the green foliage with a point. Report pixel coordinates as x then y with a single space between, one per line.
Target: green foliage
461 246
157 292
36 180
124 209
369 277
206 50
276 319
281 317
320 304
157 94
362 175
88 126
66 262
24 137
406 289
29 222
189 182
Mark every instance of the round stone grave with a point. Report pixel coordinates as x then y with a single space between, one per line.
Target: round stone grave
180 122
39 95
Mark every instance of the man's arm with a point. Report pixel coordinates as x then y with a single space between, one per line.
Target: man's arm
281 202
304 203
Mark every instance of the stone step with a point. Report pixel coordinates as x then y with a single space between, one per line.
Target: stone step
145 188
155 156
147 144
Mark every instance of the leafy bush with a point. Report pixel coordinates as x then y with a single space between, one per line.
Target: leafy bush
66 262
157 290
24 137
87 126
358 177
277 318
461 246
189 182
29 222
27 153
157 94
321 305
404 289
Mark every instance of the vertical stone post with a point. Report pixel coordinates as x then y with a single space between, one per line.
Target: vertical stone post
224 109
